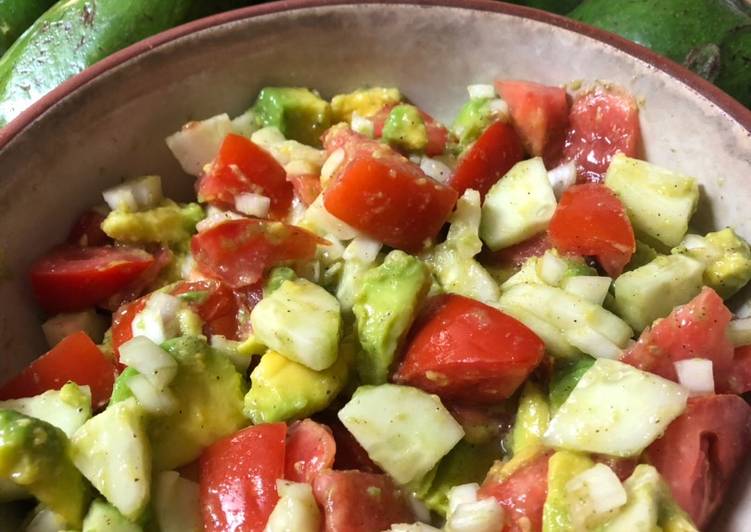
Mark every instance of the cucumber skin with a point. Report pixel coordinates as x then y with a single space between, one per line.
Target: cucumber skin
75 34
16 16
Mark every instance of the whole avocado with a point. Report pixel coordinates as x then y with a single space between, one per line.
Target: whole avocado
554 6
16 16
692 32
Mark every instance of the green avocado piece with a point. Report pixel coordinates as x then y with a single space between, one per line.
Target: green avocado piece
643 254
566 375
300 114
385 307
35 456
532 418
169 223
121 390
562 467
669 27
16 16
276 277
471 121
405 129
365 102
734 76
209 392
644 489
102 517
727 259
283 390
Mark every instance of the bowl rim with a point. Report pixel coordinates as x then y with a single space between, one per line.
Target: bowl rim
737 111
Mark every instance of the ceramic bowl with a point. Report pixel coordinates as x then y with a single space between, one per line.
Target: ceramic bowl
109 122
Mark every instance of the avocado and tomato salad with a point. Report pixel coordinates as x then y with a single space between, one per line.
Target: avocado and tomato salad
368 320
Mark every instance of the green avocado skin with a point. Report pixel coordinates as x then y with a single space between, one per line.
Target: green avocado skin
735 65
16 16
554 6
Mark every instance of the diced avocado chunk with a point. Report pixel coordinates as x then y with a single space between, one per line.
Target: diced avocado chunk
120 390
283 390
301 321
405 129
726 257
276 277
103 517
643 254
518 206
672 518
385 307
169 223
641 512
562 467
112 451
299 113
35 455
659 202
652 291
566 376
364 102
453 261
67 408
209 392
465 463
532 418
615 409
404 430
473 118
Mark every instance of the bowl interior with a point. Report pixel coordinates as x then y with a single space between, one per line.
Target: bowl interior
114 126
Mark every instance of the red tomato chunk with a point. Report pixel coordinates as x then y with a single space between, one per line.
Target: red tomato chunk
466 350
310 450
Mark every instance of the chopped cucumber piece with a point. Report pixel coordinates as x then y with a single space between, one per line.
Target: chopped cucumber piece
553 338
518 206
588 287
404 430
176 503
562 467
296 509
67 408
659 202
136 194
151 361
615 409
103 517
301 321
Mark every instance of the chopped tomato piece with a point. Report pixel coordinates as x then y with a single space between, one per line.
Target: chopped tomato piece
307 187
622 467
349 453
740 374
353 501
437 133
238 478
76 358
71 278
87 230
384 195
694 330
522 494
591 220
603 122
701 450
515 256
310 450
162 259
241 167
539 114
488 159
238 252
464 349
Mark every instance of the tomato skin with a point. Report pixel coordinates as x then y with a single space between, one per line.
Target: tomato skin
307 187
700 451
349 453
522 494
603 122
238 252
87 230
539 114
353 501
240 167
384 195
463 349
437 133
694 330
740 374
310 450
71 278
591 220
515 256
490 157
162 259
76 358
238 477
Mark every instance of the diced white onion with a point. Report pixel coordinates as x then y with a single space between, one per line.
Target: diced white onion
415 158
591 342
588 287
296 509
739 331
695 242
485 515
462 494
333 251
562 177
435 169
252 204
197 143
419 509
498 108
551 268
62 325
362 125
321 221
155 401
363 249
136 194
267 137
696 375
481 90
244 124
600 487
331 164
215 217
153 362
158 320
176 503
